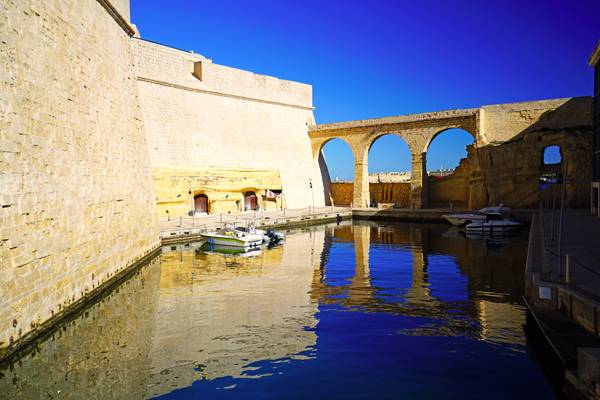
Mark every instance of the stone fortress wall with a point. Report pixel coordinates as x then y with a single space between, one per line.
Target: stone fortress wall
76 194
101 132
221 131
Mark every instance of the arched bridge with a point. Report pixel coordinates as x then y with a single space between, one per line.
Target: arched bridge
417 130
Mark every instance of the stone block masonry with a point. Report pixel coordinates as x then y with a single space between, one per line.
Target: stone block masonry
200 116
77 203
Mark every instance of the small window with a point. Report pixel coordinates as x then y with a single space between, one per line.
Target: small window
197 70
552 155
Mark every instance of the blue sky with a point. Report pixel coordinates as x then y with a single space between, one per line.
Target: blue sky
377 58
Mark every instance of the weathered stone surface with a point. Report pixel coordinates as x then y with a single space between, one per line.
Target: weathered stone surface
504 164
396 193
225 188
75 178
228 119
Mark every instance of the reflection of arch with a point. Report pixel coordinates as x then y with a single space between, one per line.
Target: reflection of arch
250 201
201 203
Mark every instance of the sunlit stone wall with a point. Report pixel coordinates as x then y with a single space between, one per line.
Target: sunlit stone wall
76 193
397 193
200 115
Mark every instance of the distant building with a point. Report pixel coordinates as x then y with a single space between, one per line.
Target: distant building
390 177
595 190
441 172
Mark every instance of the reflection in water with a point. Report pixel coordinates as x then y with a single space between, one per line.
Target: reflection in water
355 310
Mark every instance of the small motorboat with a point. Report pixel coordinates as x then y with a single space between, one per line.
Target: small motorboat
463 219
494 224
230 250
232 237
269 236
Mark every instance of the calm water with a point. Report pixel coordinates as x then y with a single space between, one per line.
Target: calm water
364 311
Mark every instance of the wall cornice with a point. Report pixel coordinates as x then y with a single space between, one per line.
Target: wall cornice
211 92
122 22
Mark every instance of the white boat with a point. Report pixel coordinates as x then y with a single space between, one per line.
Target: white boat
269 236
233 238
230 251
494 224
462 219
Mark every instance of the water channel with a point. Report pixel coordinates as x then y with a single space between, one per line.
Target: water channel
362 310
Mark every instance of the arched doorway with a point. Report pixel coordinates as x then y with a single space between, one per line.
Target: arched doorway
551 172
250 201
201 204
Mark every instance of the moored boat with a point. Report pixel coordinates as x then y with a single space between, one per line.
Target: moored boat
494 224
233 238
269 236
230 250
465 218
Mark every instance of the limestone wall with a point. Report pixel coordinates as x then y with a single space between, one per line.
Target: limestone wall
505 165
397 193
122 7
76 194
176 188
200 116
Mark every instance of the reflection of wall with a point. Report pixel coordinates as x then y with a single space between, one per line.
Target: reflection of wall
501 322
220 313
102 354
494 279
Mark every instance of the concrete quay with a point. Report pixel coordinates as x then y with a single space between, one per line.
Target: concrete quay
189 228
563 294
182 229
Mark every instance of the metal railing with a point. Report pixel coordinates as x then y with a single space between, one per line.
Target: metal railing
247 217
553 216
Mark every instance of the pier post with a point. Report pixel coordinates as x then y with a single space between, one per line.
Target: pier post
567 269
418 182
361 183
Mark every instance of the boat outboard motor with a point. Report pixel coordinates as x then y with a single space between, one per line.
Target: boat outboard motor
273 236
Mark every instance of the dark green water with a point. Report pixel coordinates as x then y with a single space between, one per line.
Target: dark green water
398 311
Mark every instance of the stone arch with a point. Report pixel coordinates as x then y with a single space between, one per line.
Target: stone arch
391 188
334 193
439 132
318 146
372 138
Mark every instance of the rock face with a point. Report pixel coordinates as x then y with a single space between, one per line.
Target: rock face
507 169
76 193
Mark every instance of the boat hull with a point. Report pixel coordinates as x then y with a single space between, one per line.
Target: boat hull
233 241
492 227
462 219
